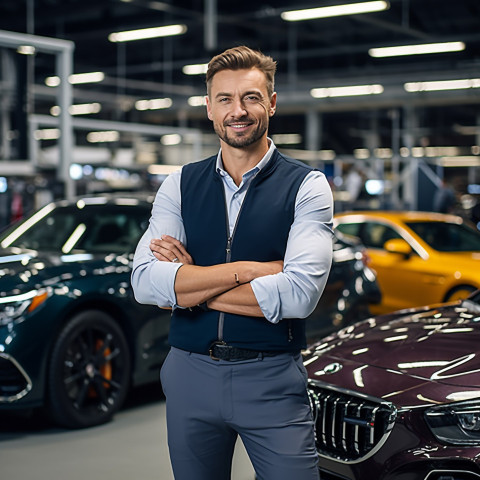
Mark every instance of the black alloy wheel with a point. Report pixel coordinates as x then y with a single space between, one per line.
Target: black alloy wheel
89 371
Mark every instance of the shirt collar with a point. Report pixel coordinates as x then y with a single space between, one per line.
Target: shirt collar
255 169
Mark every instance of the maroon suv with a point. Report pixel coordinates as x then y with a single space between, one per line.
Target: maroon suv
397 397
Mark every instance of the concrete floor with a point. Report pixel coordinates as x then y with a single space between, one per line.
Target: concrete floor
131 447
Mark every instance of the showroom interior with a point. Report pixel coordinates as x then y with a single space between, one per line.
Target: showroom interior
143 110
108 96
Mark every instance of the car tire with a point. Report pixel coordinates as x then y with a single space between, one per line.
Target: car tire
459 293
89 371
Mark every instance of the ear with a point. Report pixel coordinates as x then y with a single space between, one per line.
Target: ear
209 108
273 105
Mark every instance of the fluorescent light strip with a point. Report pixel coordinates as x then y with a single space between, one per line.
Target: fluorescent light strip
26 50
77 78
103 137
420 49
197 69
346 91
153 104
171 139
442 85
197 101
47 134
463 161
79 109
334 11
143 33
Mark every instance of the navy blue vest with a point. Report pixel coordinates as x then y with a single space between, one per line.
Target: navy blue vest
261 234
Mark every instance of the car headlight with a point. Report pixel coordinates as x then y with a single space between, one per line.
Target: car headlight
457 424
13 307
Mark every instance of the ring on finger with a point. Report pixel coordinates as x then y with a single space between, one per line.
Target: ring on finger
175 260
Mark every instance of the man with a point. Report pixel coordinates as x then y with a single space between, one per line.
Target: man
239 246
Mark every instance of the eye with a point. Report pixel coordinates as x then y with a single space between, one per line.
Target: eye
252 98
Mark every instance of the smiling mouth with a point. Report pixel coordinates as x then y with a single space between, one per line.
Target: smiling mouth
240 127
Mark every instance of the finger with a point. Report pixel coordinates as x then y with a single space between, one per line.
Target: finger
164 251
176 247
160 257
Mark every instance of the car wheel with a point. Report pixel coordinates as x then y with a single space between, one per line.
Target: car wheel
89 371
459 293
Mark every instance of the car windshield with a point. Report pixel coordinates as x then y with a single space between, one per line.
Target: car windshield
91 228
447 237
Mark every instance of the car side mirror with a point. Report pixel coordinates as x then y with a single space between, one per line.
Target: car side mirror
398 245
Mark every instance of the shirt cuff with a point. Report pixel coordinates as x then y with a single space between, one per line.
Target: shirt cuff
268 302
162 279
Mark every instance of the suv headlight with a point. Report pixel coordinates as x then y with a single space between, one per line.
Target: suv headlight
14 307
457 424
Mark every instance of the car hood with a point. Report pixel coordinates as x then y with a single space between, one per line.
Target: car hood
411 357
21 270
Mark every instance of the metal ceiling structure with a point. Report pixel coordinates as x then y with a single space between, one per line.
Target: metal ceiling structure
317 53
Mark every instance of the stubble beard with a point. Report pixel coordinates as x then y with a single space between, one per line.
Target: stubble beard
241 140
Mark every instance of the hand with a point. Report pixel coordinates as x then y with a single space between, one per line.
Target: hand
169 249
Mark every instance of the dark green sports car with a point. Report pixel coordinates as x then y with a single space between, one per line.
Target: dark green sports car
72 337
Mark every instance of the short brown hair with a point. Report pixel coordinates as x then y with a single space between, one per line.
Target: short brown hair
239 58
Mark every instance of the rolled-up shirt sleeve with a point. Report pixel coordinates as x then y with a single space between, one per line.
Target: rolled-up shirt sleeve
153 281
295 292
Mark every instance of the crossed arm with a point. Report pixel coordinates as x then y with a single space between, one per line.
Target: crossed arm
225 287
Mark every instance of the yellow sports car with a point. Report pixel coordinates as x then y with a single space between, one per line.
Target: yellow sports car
420 257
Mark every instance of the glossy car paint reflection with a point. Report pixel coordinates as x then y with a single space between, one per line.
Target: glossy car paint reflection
422 365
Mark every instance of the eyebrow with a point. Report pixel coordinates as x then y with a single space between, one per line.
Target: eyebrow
248 92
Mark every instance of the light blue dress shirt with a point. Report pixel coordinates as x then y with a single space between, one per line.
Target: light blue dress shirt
293 293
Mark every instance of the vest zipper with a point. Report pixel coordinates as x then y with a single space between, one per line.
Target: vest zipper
228 249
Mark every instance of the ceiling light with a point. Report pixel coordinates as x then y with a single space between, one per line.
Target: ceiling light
80 109
442 85
171 139
26 50
197 101
153 104
103 137
198 69
416 49
463 161
334 11
346 91
166 31
361 153
77 78
47 134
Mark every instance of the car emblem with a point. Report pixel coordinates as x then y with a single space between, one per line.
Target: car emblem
330 369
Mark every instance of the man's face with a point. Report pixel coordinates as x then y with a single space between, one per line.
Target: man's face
239 106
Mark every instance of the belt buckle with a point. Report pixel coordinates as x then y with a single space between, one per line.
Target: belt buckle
212 346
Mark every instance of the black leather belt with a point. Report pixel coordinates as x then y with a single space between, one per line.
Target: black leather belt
220 351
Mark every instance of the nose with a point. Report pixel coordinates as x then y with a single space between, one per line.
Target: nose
238 108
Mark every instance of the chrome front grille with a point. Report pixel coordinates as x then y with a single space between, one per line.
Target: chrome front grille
349 426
